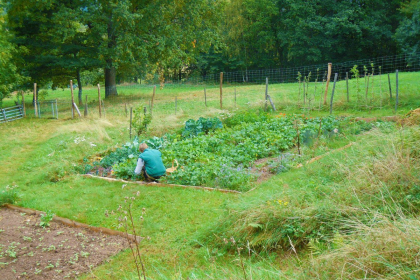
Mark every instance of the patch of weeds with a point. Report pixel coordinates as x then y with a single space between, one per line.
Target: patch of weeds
46 218
37 271
280 164
30 254
9 195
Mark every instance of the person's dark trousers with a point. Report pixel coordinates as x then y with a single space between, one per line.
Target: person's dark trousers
149 178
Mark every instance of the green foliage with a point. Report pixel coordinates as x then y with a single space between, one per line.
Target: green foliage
128 151
202 125
46 218
224 157
140 120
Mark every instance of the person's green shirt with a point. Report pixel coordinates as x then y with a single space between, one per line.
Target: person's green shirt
153 162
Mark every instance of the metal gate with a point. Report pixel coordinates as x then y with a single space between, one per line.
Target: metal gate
11 114
47 108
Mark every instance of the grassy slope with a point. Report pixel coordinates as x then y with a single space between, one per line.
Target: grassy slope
38 155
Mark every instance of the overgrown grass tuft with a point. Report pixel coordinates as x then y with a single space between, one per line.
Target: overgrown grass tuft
9 195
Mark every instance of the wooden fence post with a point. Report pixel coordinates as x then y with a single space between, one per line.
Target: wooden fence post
389 84
35 101
56 107
23 104
332 94
86 107
266 93
72 99
153 98
221 90
99 101
235 97
347 84
175 103
396 91
328 82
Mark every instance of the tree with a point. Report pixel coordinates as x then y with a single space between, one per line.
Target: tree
10 78
408 33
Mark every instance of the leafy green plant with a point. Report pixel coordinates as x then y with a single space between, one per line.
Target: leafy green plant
202 125
140 120
46 218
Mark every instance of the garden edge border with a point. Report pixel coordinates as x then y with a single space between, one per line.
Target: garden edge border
71 223
159 184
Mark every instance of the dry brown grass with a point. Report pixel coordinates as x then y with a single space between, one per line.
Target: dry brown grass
387 250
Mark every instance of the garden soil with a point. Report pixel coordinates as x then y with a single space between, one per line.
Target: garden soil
28 251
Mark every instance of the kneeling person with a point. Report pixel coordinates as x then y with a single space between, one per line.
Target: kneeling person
150 163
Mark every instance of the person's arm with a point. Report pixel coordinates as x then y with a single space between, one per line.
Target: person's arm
139 167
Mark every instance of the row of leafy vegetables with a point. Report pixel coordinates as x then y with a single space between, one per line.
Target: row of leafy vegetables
220 154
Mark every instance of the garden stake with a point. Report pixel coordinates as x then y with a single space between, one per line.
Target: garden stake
175 104
205 97
328 82
126 111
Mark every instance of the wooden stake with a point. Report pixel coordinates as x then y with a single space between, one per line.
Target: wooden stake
99 101
266 93
328 82
347 84
35 101
131 119
221 90
175 103
153 98
367 88
23 104
56 107
396 91
86 107
389 84
235 97
332 94
126 111
205 97
72 99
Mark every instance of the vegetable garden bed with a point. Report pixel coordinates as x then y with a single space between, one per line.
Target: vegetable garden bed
224 155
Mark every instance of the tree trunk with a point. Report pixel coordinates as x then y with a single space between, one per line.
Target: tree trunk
110 81
79 85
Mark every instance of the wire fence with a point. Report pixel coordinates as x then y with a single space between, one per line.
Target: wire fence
373 84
